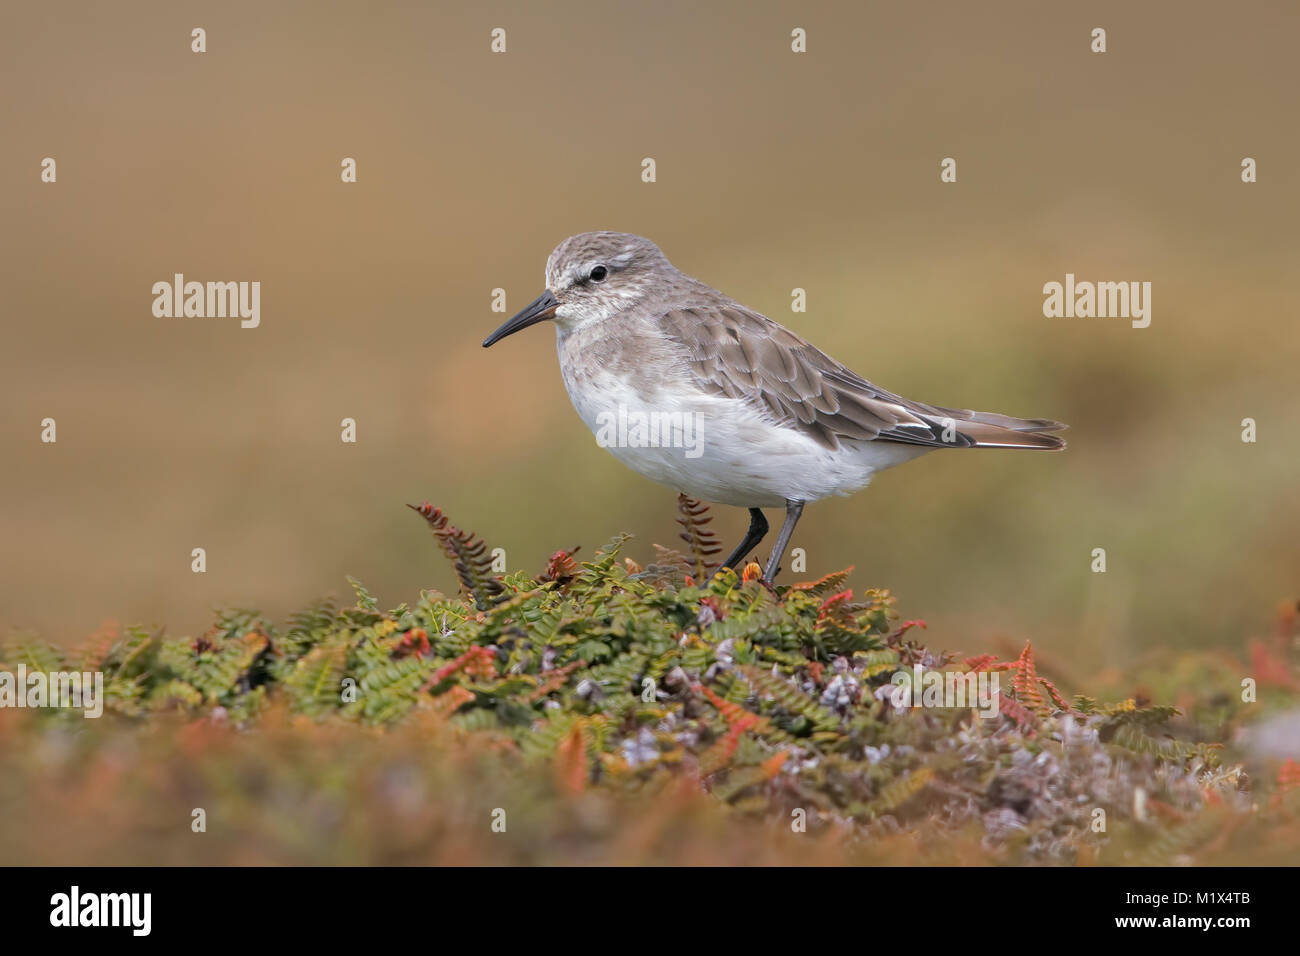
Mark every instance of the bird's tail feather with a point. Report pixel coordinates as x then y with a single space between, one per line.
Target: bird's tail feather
991 430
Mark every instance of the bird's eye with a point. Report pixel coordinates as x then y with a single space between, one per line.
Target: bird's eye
598 274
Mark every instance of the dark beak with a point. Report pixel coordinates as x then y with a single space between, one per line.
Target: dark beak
543 307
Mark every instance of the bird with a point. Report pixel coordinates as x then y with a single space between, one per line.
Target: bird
759 417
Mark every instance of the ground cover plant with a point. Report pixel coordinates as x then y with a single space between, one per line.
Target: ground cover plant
608 710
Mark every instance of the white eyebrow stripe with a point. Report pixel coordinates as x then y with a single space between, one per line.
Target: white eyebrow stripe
579 273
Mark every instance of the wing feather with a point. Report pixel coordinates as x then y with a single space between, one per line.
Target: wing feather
742 354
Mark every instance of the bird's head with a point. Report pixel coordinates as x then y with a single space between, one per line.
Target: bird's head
590 277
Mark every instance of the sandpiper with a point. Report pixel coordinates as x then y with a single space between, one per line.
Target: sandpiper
777 422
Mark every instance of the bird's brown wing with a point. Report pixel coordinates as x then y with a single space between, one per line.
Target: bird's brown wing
742 354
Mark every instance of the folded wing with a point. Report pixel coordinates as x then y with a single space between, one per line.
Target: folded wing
742 354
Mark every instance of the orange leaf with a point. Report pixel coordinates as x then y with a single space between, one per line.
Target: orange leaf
773 764
1025 682
571 758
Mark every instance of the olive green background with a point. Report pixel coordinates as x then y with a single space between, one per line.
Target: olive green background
775 171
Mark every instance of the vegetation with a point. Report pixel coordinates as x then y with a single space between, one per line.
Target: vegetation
607 711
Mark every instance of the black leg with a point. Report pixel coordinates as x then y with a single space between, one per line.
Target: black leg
793 509
757 529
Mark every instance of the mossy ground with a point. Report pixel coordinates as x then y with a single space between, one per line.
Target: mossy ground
610 712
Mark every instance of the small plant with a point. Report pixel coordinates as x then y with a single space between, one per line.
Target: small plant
603 676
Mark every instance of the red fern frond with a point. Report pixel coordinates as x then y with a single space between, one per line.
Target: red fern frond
1271 666
1025 683
826 584
904 628
773 765
1021 716
1288 775
561 567
732 713
415 640
571 764
1057 697
834 607
444 705
552 680
720 754
703 542
469 557
478 662
988 662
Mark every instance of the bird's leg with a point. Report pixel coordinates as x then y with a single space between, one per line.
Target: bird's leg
793 509
757 529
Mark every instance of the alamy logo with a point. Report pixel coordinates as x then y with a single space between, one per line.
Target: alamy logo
1102 300
103 909
919 687
635 428
71 689
210 300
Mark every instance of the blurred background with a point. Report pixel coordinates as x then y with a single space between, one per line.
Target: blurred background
775 171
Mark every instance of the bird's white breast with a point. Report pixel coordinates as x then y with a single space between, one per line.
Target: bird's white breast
711 447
